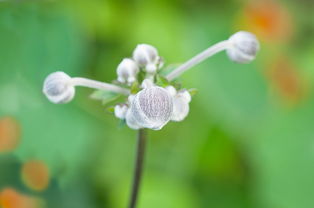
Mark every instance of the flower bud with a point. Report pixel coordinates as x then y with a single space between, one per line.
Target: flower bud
131 98
127 71
120 111
147 83
243 47
130 121
185 95
58 88
181 105
172 91
147 56
151 108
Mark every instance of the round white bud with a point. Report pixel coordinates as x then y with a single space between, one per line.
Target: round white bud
127 71
151 108
58 88
243 47
130 121
146 56
172 91
131 98
185 95
147 83
120 111
181 106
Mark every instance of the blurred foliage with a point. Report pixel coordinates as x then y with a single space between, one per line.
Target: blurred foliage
248 141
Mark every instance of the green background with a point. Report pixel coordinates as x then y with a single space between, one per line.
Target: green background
248 141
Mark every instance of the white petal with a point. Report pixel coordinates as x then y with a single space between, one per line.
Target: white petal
180 109
58 88
146 56
152 108
243 47
172 91
127 71
120 111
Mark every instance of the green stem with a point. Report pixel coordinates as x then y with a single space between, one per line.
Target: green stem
140 153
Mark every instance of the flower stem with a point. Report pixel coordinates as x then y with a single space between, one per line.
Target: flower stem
78 81
198 58
140 153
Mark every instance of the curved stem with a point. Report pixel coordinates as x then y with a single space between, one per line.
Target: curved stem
140 153
198 58
78 81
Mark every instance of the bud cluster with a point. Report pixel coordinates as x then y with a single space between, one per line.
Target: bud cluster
152 106
145 57
151 100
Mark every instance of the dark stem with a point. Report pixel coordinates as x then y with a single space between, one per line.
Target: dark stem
140 152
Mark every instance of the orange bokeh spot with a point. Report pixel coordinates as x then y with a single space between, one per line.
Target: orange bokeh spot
35 175
10 198
9 134
286 79
268 19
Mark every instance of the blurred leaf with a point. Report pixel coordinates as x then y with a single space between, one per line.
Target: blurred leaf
135 87
162 81
110 109
104 96
50 41
193 91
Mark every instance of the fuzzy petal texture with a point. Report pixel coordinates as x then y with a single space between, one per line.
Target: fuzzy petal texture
243 47
58 88
151 108
181 106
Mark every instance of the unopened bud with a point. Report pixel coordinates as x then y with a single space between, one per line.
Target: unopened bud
172 91
120 111
58 88
147 56
147 83
181 105
151 108
127 71
131 122
243 47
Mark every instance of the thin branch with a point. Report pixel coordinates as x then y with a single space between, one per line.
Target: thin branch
198 58
78 81
140 153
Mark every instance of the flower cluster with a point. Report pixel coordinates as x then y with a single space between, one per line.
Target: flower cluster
151 100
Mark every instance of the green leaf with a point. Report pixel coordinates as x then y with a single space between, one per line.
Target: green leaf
162 81
135 87
110 109
193 91
104 96
141 76
176 85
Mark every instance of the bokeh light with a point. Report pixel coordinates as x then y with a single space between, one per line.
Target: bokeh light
35 175
10 198
286 79
269 20
9 134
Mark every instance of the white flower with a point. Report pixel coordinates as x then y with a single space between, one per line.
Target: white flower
120 111
58 88
127 71
243 47
181 102
151 108
147 56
